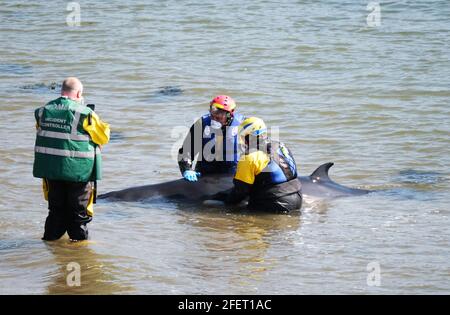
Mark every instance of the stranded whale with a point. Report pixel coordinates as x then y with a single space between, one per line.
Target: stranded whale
316 186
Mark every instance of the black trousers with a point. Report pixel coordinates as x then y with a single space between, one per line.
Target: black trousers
283 204
67 204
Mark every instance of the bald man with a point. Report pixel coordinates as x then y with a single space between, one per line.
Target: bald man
72 88
67 157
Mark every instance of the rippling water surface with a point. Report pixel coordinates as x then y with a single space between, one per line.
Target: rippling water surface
374 100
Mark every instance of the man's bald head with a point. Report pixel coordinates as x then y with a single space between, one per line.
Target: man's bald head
72 88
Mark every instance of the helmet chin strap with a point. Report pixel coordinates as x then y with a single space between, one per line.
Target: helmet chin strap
262 144
243 147
229 118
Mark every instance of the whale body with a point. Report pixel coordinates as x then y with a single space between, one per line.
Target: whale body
318 185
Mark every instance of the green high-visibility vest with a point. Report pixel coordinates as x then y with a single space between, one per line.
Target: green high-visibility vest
63 149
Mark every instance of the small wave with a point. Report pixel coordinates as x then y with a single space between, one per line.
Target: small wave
411 176
15 69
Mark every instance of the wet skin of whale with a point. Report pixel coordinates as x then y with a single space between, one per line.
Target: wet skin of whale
316 186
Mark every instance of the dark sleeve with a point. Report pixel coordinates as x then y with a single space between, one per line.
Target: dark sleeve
239 192
36 117
187 153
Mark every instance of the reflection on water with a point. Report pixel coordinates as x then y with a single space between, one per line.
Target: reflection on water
241 240
98 274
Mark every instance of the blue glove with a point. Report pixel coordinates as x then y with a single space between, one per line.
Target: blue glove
191 175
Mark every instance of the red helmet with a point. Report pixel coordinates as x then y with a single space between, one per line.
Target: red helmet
224 102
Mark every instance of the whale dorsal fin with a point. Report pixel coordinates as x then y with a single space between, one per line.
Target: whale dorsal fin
321 173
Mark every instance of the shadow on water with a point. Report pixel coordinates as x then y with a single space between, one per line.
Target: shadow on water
98 275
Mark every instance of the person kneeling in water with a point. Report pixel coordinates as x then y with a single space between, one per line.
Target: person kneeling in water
266 172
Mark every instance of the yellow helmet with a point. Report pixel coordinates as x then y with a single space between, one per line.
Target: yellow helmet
252 126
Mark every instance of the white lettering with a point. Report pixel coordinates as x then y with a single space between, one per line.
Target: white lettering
374 276
74 278
73 18
56 126
189 305
374 17
57 120
177 133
